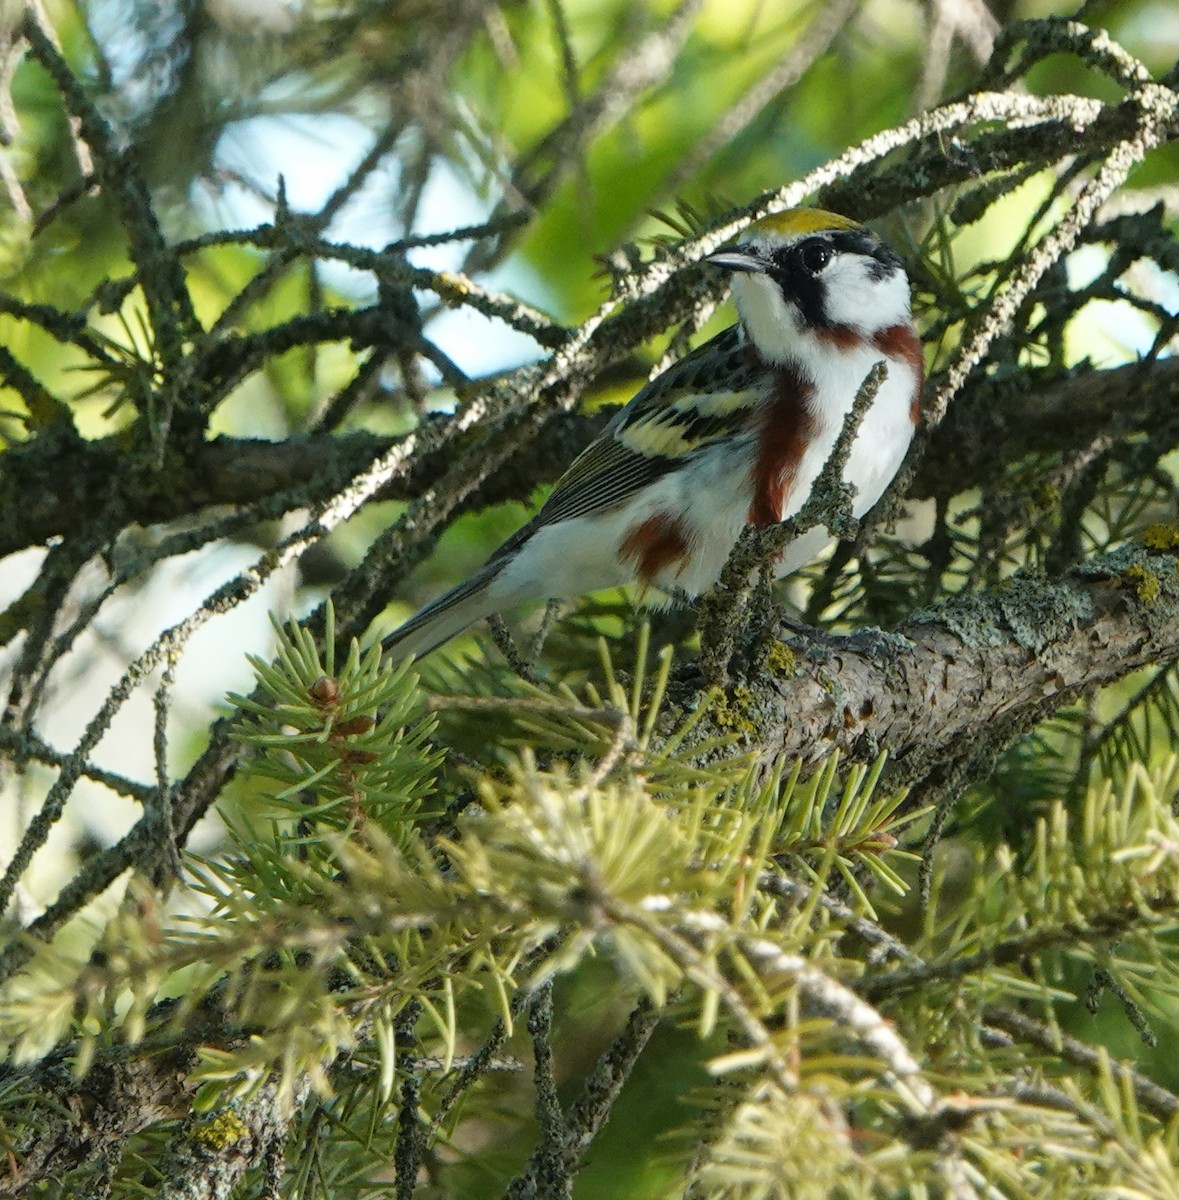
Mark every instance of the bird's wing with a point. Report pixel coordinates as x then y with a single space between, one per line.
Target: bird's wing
704 398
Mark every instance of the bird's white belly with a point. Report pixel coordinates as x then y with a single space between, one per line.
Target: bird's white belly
710 498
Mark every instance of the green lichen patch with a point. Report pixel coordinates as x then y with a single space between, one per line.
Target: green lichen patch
734 712
220 1131
1154 582
1161 537
780 659
1144 582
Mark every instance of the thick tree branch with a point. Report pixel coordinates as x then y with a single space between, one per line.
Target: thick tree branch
39 499
207 1158
73 1123
967 675
70 1122
987 430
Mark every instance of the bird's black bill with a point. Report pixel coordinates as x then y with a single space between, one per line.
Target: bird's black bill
738 258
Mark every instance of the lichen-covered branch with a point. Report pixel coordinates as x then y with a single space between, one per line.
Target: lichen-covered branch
967 675
992 427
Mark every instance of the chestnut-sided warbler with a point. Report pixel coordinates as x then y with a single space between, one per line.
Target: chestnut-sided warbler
733 434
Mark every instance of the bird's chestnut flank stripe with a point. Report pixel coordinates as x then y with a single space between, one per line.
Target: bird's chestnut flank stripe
786 428
660 542
734 434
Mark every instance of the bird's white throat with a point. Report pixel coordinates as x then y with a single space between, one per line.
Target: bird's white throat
768 320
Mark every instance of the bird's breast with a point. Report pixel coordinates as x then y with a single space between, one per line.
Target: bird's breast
803 417
901 346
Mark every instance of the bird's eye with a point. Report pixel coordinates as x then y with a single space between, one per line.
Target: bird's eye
814 256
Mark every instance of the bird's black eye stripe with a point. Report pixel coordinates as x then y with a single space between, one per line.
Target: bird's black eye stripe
860 241
799 269
812 255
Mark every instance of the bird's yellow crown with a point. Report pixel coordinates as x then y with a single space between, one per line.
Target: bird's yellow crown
795 222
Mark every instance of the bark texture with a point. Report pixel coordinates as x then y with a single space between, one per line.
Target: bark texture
965 676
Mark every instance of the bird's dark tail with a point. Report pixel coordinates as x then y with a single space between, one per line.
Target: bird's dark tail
442 619
463 605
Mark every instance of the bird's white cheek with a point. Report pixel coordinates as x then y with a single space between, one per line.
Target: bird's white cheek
770 322
852 297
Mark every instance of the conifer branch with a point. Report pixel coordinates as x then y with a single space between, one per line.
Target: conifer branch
969 674
1158 1100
